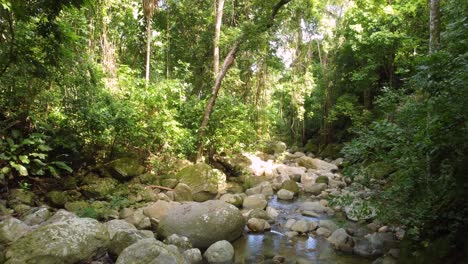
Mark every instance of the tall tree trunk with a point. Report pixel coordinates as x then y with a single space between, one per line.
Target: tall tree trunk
228 61
434 26
168 44
219 19
148 49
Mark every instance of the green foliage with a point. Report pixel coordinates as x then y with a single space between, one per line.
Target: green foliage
28 156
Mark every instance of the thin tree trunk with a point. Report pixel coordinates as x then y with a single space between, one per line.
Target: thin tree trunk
219 19
148 49
434 26
168 45
228 61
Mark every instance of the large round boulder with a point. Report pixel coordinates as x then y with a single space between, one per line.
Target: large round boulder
125 168
204 181
203 223
219 253
150 250
69 241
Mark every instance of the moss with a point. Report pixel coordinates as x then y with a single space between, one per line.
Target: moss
291 186
57 199
322 179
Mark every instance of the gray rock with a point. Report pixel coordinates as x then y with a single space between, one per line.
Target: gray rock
258 225
255 201
158 209
300 226
36 216
317 164
183 192
315 207
220 252
259 213
136 217
285 194
124 238
272 212
234 199
69 241
150 250
12 229
373 245
290 185
182 243
193 256
291 234
341 240
60 215
315 188
328 224
202 180
322 231
125 168
144 224
262 188
203 223
274 147
116 225
289 223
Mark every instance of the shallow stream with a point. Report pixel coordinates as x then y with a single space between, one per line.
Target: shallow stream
260 247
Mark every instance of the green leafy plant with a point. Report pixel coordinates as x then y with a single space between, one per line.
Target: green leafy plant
27 156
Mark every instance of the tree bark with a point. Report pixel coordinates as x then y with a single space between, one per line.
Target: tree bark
434 26
219 18
228 61
148 48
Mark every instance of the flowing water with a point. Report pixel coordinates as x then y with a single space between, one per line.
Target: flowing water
259 247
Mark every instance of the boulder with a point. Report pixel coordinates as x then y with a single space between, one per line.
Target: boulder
12 229
316 164
300 226
20 196
285 194
220 252
203 223
315 188
203 180
183 192
100 188
341 240
69 241
57 198
182 243
193 256
116 225
322 231
258 225
150 250
291 171
126 237
290 185
125 168
255 201
158 209
373 245
274 147
234 199
36 216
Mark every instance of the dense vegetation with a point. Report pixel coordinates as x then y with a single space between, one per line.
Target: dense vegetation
365 77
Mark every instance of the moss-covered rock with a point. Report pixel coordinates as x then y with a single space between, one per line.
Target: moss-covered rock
57 198
201 178
125 168
274 147
183 192
291 186
150 250
99 188
70 241
20 196
203 223
146 178
322 179
169 183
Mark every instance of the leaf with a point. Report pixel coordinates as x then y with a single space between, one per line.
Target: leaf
39 172
53 171
27 142
24 159
38 155
5 170
63 166
20 168
39 162
44 148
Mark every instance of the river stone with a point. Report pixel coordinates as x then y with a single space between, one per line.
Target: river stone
255 201
193 256
259 213
158 209
316 164
272 212
290 185
150 250
201 178
375 244
116 225
289 223
60 215
70 241
315 207
258 225
124 238
322 231
183 192
125 168
300 226
328 224
36 216
220 252
284 194
262 188
234 199
315 188
12 229
182 243
341 240
203 223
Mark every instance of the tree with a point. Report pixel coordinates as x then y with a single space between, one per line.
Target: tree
434 27
149 6
219 18
228 61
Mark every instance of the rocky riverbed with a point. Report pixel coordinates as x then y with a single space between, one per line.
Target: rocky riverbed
297 209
